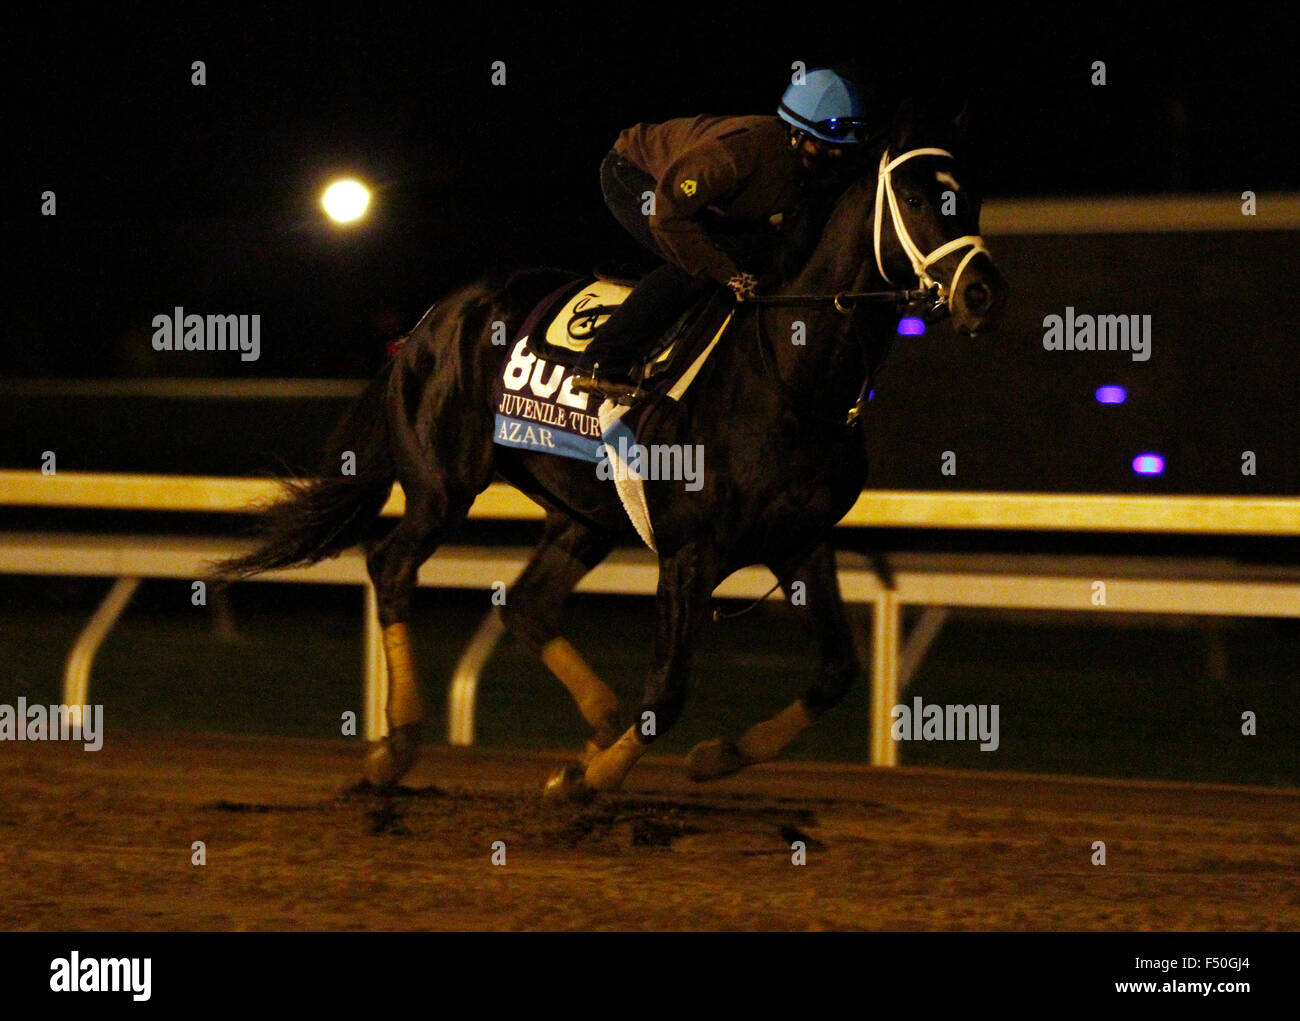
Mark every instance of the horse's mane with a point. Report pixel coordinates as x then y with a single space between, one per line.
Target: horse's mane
802 232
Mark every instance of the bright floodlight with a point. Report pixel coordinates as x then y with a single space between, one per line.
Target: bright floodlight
911 326
1149 464
1111 394
345 201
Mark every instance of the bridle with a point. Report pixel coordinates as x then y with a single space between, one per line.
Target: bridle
929 288
921 263
846 301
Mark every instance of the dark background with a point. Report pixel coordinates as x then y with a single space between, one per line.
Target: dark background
205 197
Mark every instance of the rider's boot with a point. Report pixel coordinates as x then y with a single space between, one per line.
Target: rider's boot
620 344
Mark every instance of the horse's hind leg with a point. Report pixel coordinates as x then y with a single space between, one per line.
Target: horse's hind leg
814 592
394 564
440 435
533 609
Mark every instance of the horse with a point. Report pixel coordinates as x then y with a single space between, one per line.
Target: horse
778 417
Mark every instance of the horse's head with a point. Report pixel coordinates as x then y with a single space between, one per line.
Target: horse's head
926 223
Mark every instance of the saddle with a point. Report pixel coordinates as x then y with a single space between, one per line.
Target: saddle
565 322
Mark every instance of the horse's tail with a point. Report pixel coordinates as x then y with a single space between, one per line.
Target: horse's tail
322 516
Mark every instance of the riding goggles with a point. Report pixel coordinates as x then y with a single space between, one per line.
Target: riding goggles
838 129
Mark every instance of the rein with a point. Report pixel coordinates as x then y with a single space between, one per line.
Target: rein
845 301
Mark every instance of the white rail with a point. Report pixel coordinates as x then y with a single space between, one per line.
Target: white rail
1209 587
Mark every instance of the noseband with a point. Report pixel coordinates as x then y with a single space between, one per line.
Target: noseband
920 263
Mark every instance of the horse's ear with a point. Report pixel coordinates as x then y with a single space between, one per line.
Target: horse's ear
962 123
904 117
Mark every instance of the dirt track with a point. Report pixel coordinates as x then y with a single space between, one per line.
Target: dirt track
102 841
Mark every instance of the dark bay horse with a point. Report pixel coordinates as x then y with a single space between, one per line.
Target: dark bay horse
768 410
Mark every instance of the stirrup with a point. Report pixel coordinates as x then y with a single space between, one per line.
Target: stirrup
619 393
614 390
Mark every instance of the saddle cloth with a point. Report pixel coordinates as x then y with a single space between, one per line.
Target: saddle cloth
537 409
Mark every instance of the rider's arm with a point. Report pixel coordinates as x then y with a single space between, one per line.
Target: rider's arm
690 184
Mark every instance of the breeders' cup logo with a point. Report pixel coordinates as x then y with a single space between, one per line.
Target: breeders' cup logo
583 323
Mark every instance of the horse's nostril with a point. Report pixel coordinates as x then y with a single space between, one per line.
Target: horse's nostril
978 297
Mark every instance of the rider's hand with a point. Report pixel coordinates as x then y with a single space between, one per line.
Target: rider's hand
744 286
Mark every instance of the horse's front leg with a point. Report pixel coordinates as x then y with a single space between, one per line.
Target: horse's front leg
814 592
533 612
686 582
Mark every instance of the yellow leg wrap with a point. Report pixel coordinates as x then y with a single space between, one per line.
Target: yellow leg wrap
595 700
607 769
404 704
768 739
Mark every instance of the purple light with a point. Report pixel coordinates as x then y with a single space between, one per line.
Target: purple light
910 326
1149 464
871 396
1111 394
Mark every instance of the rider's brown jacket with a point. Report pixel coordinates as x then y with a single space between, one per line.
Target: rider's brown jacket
740 167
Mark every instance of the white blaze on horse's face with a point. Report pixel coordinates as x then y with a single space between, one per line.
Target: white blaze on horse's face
921 262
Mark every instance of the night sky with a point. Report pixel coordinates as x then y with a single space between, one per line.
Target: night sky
205 196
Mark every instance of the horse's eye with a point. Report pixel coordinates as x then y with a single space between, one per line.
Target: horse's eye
913 202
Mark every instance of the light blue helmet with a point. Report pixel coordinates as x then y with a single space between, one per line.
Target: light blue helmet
826 106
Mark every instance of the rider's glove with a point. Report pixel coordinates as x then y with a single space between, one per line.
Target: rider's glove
744 286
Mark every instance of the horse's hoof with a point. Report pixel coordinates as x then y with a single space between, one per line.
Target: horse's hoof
712 760
392 758
568 785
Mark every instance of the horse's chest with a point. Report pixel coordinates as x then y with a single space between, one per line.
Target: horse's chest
811 508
